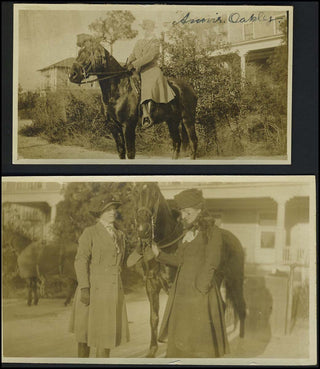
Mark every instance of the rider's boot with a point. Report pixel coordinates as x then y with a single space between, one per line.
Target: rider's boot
147 120
83 350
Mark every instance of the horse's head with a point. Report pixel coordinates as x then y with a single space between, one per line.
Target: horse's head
92 59
146 201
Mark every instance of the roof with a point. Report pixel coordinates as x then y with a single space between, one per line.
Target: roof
65 63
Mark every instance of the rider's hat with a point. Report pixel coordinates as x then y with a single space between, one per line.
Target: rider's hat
82 38
147 24
191 198
101 203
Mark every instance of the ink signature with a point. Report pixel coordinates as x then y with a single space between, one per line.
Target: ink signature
232 18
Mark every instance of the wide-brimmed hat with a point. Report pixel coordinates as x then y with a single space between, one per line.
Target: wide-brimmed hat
189 199
82 38
147 24
101 203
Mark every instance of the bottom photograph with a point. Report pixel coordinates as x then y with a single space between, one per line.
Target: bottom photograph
206 270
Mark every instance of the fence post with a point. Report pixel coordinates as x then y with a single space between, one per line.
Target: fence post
289 299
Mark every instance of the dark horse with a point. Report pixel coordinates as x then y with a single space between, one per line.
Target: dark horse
38 261
156 222
121 98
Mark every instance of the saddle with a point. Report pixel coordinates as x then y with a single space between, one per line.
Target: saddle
135 81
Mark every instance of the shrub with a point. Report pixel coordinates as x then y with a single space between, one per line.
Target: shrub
69 114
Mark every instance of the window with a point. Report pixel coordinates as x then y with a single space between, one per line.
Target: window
267 240
248 31
267 223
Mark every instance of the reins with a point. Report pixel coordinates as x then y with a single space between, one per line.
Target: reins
105 75
110 76
153 216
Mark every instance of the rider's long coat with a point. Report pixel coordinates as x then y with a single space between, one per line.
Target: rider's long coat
98 262
154 84
193 321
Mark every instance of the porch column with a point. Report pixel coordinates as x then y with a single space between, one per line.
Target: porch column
53 213
280 231
243 56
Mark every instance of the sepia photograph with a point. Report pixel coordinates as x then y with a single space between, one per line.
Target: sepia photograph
212 270
156 84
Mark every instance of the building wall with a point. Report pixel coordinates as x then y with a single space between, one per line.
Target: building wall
58 78
33 204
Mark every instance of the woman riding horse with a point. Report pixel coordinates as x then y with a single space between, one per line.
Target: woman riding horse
121 98
144 59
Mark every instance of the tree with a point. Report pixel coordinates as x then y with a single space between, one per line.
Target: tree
73 214
216 80
115 26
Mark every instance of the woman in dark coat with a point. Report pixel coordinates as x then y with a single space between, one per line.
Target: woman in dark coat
99 316
193 321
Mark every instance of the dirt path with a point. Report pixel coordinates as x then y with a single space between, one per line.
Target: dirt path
42 331
39 148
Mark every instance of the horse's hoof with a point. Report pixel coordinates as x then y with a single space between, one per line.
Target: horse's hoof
152 352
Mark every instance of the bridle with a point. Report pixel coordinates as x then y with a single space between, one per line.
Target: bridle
153 217
87 72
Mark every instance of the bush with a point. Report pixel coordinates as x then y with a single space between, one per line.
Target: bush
26 102
235 116
226 100
69 115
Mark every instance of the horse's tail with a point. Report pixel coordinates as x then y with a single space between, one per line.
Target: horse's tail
233 271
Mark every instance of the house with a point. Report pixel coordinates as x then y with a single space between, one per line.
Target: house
253 40
33 203
56 76
271 219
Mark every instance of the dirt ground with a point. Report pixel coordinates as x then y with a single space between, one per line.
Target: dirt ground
42 331
39 148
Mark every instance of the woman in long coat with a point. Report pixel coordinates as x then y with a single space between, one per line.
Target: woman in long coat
99 317
144 59
193 321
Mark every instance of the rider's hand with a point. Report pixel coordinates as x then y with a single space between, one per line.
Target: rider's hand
130 67
85 295
155 249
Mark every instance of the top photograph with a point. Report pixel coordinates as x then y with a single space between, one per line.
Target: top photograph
152 84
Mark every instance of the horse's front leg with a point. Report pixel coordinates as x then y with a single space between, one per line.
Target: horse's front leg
130 138
153 289
35 291
29 289
116 131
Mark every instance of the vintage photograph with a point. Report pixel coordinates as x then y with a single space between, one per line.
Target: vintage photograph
160 84
184 270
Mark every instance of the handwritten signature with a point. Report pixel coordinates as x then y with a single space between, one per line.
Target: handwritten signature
232 18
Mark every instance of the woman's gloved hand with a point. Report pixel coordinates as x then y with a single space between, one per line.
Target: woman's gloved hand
155 249
130 67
